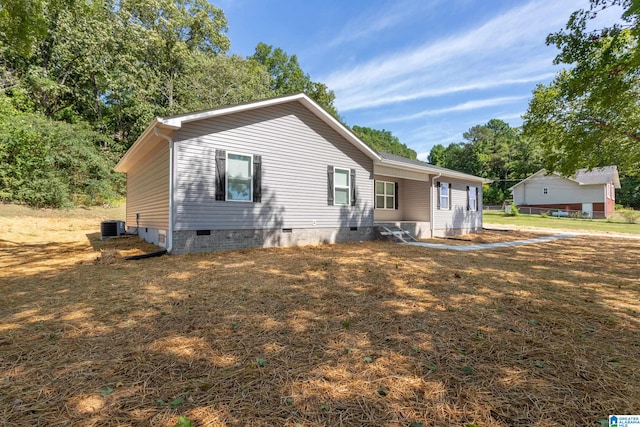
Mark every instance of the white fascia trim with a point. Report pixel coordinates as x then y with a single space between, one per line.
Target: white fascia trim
120 166
430 171
177 122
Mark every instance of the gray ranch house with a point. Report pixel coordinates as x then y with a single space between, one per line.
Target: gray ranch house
590 193
280 172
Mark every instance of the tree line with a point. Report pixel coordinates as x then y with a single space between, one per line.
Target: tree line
587 117
80 80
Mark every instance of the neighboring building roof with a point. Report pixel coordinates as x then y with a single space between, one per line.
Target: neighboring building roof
144 146
595 176
602 175
392 159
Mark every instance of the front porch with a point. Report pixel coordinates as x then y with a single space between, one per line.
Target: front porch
403 203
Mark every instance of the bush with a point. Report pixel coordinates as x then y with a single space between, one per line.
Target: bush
629 215
46 163
514 211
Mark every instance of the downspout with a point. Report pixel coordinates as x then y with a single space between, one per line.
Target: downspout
433 210
170 230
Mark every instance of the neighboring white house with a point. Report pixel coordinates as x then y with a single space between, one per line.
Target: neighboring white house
589 192
277 172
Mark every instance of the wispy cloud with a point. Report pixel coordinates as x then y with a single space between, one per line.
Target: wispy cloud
492 55
383 17
465 106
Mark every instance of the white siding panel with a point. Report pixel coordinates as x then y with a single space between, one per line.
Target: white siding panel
148 190
296 148
457 219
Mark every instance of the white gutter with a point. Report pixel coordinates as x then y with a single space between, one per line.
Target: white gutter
433 209
170 230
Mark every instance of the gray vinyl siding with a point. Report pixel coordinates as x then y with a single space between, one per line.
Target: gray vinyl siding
148 190
560 190
458 218
296 148
416 196
391 214
413 201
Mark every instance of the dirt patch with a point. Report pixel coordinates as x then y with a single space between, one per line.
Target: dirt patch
488 236
354 334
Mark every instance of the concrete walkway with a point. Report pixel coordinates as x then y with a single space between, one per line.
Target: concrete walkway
467 248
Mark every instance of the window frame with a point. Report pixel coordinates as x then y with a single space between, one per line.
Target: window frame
447 205
472 194
340 187
545 191
384 195
227 177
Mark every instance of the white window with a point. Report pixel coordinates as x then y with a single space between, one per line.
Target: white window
385 195
341 186
473 198
444 195
545 190
239 177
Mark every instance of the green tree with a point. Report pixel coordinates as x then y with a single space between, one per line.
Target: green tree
174 31
496 151
589 115
383 140
287 76
22 24
436 155
212 81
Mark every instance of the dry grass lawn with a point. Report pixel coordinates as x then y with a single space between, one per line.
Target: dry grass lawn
368 334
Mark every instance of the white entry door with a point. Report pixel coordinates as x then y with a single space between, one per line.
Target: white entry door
587 208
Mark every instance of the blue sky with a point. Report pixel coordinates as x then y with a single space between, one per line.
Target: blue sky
426 70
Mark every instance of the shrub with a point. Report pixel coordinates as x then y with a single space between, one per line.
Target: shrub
47 163
514 211
629 215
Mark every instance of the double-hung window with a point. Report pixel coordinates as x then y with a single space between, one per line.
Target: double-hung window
239 177
472 195
341 186
385 195
444 195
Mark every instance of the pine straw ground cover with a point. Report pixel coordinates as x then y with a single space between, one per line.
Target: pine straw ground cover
364 334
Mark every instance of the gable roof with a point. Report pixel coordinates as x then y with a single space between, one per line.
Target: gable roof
175 122
602 175
596 176
394 160
148 140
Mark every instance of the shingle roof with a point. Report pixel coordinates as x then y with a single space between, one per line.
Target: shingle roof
602 175
428 166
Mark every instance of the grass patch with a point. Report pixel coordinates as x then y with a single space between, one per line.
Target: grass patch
597 225
258 337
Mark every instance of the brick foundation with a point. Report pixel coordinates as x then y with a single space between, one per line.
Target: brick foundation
191 242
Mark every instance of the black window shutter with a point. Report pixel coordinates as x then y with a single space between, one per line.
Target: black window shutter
468 200
450 195
477 200
438 194
257 178
221 170
353 187
330 185
396 196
